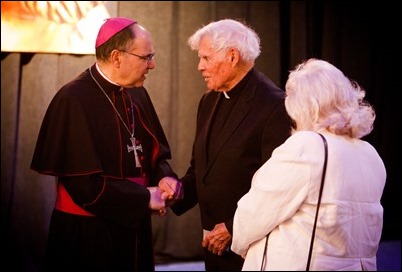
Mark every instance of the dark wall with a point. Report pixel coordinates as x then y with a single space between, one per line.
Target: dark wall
357 37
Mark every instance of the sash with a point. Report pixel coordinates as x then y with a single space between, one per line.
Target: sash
65 203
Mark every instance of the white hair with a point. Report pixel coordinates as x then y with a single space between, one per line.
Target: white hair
226 34
319 96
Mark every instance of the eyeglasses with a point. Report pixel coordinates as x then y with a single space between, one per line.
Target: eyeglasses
147 58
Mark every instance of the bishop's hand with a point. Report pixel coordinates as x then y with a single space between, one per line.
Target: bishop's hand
157 203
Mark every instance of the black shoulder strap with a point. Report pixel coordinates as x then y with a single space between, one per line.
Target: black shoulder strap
319 199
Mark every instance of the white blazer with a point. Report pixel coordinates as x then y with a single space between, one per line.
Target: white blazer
283 200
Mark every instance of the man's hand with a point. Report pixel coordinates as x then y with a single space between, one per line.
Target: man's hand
171 189
156 202
217 240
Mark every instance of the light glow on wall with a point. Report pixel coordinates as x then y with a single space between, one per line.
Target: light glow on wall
68 27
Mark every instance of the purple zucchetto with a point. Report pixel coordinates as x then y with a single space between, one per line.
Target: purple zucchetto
111 27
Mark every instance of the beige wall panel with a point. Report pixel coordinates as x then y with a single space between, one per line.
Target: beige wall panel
191 86
38 86
231 9
9 111
70 66
180 237
156 16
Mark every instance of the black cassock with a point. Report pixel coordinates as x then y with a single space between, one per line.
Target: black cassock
84 143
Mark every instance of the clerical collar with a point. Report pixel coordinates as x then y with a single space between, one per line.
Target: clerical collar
104 76
239 87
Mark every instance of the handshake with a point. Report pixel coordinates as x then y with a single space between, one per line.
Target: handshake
168 191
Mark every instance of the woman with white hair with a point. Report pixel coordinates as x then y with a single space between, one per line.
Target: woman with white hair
283 198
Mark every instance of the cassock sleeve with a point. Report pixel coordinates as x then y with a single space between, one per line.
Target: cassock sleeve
190 198
114 200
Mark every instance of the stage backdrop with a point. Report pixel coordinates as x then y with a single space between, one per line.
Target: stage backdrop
52 26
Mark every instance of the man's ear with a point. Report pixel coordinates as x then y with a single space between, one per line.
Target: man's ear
115 57
234 56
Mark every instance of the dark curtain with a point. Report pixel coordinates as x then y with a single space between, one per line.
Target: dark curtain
357 37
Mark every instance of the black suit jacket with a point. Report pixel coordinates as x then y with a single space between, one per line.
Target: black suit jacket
257 125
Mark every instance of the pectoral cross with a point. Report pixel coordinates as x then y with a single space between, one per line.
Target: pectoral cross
134 148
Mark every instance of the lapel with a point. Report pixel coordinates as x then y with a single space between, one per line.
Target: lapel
238 114
202 146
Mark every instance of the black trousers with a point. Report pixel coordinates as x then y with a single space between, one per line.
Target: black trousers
229 261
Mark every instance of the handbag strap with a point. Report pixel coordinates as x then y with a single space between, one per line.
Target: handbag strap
319 201
316 214
265 252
